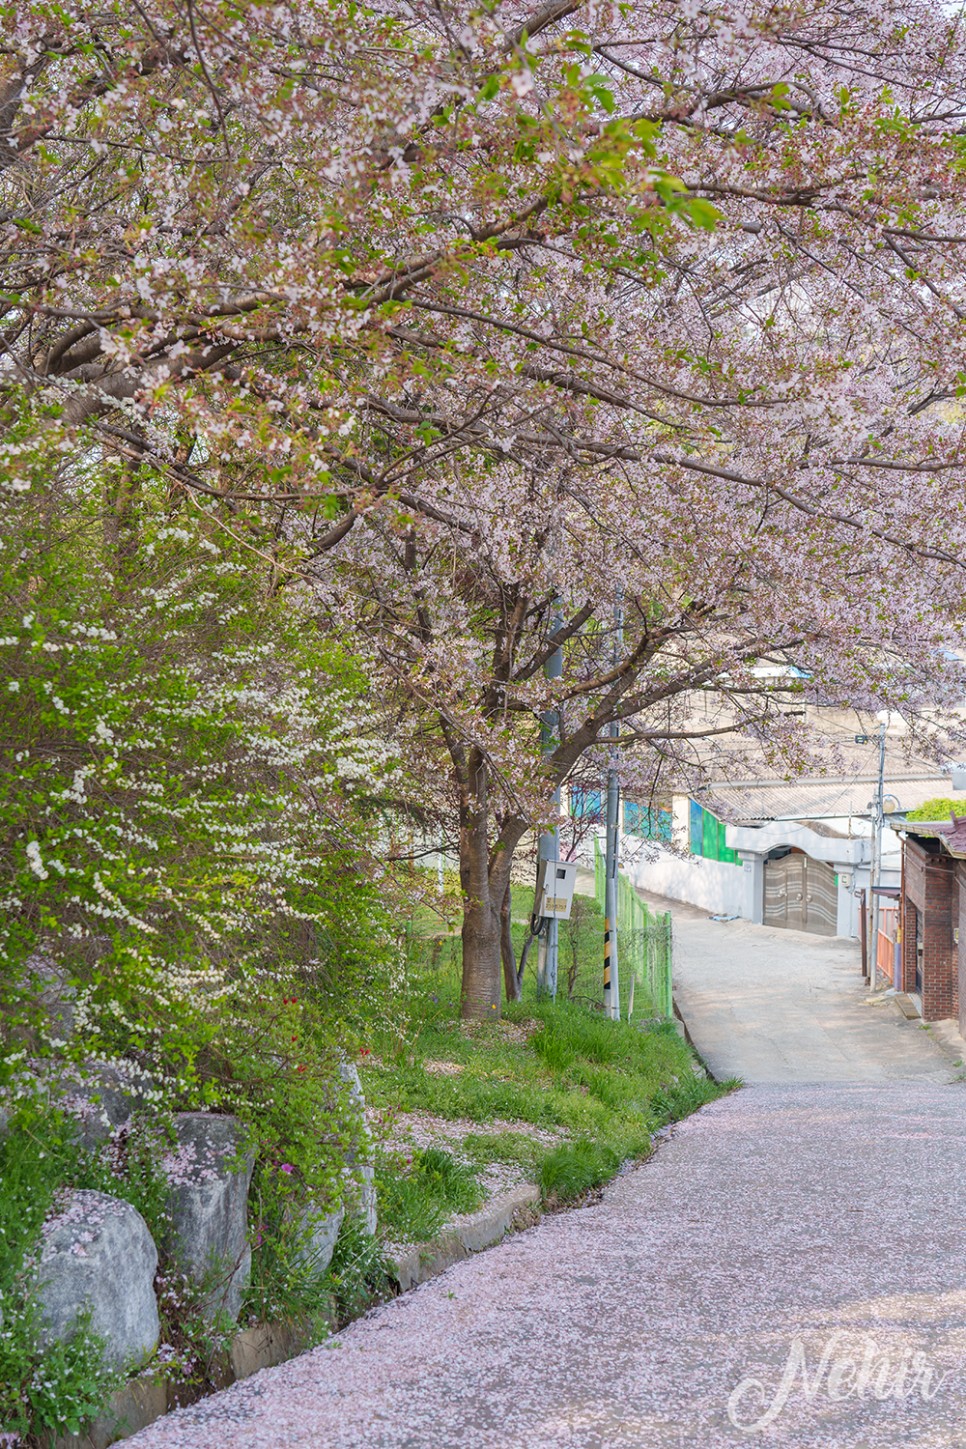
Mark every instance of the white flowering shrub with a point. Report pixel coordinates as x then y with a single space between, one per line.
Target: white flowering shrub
187 775
185 766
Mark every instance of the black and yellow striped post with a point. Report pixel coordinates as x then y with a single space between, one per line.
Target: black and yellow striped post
609 945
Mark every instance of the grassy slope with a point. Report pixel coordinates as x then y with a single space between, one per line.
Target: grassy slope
602 1086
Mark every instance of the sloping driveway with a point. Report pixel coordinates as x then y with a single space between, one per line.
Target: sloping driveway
771 1005
789 1268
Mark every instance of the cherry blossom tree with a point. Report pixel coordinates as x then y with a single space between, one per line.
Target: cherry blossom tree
486 320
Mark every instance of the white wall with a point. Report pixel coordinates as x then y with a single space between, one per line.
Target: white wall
712 885
838 851
738 890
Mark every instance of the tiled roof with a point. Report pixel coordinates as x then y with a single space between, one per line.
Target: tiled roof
951 832
754 801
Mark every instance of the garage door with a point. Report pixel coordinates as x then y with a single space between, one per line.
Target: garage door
801 894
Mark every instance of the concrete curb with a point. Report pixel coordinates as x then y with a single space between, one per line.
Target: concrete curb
947 1038
146 1398
683 1030
470 1234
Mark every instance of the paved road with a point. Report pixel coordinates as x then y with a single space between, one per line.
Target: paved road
790 1227
771 1005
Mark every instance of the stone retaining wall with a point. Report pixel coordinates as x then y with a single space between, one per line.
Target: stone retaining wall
147 1398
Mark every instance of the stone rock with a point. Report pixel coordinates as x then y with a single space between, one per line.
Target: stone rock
105 1098
54 991
321 1232
209 1172
362 1204
98 1256
349 1077
361 1194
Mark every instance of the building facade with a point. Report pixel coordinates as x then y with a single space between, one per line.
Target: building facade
933 894
796 856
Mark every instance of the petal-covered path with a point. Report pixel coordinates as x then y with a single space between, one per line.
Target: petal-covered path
777 1216
793 1257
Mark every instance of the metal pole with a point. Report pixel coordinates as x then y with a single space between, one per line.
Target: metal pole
878 824
612 997
548 947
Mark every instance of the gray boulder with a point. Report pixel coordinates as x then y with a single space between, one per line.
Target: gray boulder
55 981
209 1173
104 1098
361 1197
360 1169
98 1257
321 1231
55 992
351 1085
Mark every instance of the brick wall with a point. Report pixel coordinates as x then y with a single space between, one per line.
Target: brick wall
932 897
909 916
961 948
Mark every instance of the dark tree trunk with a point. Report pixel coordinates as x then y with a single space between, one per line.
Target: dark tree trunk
481 914
122 522
481 960
485 882
511 981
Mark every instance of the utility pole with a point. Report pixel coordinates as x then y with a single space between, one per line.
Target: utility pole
548 946
878 825
875 868
612 997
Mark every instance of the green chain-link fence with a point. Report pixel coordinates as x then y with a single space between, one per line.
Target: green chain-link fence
643 938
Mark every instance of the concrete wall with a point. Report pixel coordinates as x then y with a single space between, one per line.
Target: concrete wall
714 886
738 890
839 851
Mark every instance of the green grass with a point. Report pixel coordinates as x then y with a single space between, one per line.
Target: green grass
515 1149
359 1274
431 936
417 1197
568 1172
602 1087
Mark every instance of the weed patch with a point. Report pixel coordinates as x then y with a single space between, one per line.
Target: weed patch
568 1172
418 1195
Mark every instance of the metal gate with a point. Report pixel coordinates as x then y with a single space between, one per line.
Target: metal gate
800 894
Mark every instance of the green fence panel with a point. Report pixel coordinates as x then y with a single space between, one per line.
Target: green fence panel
600 884
708 835
644 938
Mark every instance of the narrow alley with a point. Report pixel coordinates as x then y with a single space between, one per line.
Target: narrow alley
773 1005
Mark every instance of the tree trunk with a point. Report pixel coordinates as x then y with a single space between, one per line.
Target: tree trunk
122 522
481 961
511 981
485 883
481 996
